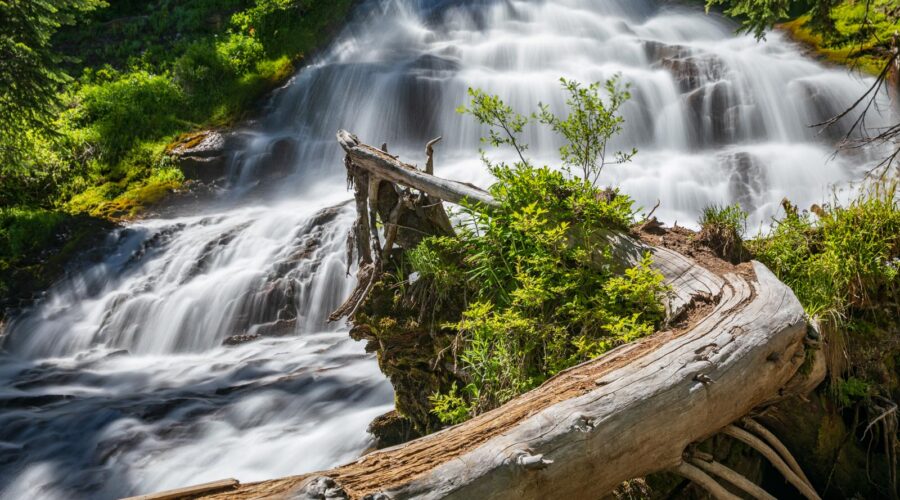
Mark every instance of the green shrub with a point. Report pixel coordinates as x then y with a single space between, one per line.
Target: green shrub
133 107
24 230
201 70
544 289
845 258
722 229
843 262
240 52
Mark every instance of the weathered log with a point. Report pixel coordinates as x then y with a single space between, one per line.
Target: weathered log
626 414
390 168
190 491
632 412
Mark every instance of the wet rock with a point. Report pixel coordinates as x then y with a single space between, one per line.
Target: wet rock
691 73
203 156
392 429
823 107
279 328
709 110
240 339
279 160
77 241
210 250
656 51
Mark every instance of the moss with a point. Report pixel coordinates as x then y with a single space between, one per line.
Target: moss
846 41
124 199
37 245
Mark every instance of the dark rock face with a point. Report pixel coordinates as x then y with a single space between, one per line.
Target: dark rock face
204 156
240 339
274 309
657 51
392 429
720 115
279 160
692 72
77 241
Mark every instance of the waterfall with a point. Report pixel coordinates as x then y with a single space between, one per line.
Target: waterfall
198 348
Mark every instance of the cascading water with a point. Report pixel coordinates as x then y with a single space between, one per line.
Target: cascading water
118 382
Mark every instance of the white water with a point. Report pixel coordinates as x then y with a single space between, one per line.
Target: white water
117 382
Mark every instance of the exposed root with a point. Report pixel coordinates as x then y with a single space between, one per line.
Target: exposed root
774 442
703 480
757 444
739 481
888 422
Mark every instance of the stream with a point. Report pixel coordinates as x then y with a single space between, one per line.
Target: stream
127 376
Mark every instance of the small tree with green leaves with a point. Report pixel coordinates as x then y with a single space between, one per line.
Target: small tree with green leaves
591 123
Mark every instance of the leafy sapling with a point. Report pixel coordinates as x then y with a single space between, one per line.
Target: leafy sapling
505 124
590 124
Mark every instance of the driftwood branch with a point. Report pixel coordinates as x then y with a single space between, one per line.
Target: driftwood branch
385 166
429 152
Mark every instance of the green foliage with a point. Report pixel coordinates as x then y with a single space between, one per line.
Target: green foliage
843 264
149 71
722 229
730 218
845 258
450 408
756 15
126 110
23 230
589 126
843 31
850 390
29 70
545 291
850 33
505 124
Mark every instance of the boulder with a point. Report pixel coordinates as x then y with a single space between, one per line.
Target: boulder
203 156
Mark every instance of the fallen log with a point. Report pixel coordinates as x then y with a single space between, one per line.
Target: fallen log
632 412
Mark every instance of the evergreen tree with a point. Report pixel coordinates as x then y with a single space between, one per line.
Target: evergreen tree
30 77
